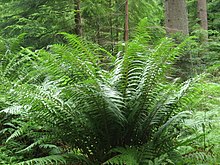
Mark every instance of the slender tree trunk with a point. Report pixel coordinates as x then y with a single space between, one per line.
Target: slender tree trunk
176 16
111 27
126 33
78 20
202 15
117 11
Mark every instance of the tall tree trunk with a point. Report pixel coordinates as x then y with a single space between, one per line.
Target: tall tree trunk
78 20
126 33
176 16
202 15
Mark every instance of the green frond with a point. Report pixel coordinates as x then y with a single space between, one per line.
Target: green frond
15 109
126 155
52 159
102 106
165 126
28 148
83 50
20 131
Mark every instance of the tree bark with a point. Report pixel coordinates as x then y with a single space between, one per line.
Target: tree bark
202 15
78 20
126 33
176 16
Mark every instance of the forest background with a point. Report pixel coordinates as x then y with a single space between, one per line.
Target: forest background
109 82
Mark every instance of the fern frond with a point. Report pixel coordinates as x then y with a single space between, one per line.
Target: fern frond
28 148
16 109
52 159
81 48
19 131
126 155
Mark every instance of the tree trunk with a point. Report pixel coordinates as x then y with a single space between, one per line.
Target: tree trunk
126 33
202 15
176 16
78 20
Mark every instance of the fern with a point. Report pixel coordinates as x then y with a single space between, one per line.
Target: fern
76 102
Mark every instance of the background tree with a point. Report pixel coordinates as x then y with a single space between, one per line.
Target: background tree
176 16
202 16
126 31
78 20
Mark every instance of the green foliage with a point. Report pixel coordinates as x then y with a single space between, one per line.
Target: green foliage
204 123
102 21
75 103
39 20
213 14
212 11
